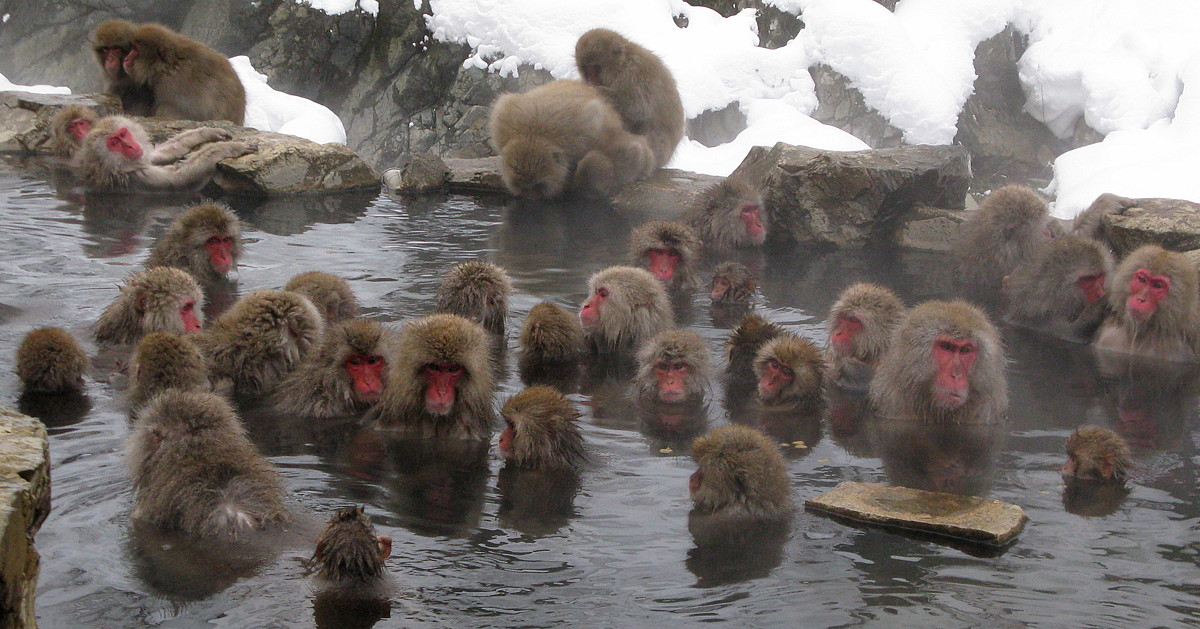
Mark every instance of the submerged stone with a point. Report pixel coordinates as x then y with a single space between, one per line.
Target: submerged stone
965 518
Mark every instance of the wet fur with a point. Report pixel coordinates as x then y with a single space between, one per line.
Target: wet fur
50 360
149 302
320 386
744 342
1090 446
347 551
550 334
329 293
637 308
667 235
742 282
744 475
546 432
163 361
183 244
673 346
478 291
808 368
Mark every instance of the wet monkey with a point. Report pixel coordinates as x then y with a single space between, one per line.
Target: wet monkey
733 283
744 342
638 85
1062 289
1154 305
112 40
349 551
541 431
159 299
551 342
1097 454
728 215
68 127
205 241
860 330
1010 226
624 308
667 249
741 474
673 367
476 290
189 80
331 294
162 361
345 376
790 371
50 360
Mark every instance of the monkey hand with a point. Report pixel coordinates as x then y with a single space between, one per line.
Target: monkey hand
213 134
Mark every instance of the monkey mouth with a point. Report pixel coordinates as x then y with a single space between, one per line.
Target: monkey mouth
671 397
950 400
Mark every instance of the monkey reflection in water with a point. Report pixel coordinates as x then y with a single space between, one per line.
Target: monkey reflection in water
437 488
948 458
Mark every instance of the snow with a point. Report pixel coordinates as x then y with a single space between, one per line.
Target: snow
338 7
9 86
270 110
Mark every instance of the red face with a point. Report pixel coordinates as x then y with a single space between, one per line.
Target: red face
366 372
695 481
133 54
441 381
845 330
953 358
112 60
720 288
123 143
672 380
663 263
775 377
187 312
78 128
750 215
1146 291
589 314
506 439
220 252
1092 287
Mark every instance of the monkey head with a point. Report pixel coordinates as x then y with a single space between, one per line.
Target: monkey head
534 168
665 248
215 237
349 549
443 352
732 282
599 54
740 472
673 367
1098 454
539 430
789 368
861 321
111 40
363 357
168 300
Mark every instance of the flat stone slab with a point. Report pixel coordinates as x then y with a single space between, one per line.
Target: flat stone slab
1172 223
964 518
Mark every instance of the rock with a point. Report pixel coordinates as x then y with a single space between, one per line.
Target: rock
422 173
841 105
475 175
25 116
24 504
1171 223
849 198
964 518
929 228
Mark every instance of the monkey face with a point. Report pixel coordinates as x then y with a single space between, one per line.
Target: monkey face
953 360
756 233
366 373
663 262
122 143
220 252
441 382
589 314
846 329
1147 291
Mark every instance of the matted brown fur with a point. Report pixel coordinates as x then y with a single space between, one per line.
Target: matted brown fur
742 283
903 385
1007 229
476 290
149 302
673 346
639 86
433 339
805 360
636 309
1044 293
320 385
348 551
331 294
190 81
744 475
162 361
744 342
667 235
545 430
1096 453
195 470
715 214
62 142
550 334
183 244
1173 331
51 360
879 310
136 99
261 339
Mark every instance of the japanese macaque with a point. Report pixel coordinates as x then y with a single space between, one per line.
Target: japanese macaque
441 381
673 367
345 376
68 127
945 364
116 155
626 306
1097 454
791 372
112 40
551 340
727 215
1090 222
1062 288
860 330
349 551
261 339
638 85
189 80
159 299
541 431
50 360
733 283
564 136
742 474
205 241
164 361
744 342
1009 227
478 291
668 250
1155 313
195 470
329 293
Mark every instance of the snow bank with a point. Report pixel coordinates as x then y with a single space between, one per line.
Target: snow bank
338 7
271 110
9 86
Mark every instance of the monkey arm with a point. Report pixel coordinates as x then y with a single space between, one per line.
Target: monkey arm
175 148
195 170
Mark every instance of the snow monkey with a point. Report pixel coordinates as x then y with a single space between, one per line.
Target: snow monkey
790 371
945 364
205 241
164 360
159 299
860 330
1011 224
476 290
667 249
551 341
626 306
727 215
189 80
541 431
638 85
349 551
1062 288
68 127
112 40
1098 454
329 293
50 360
733 283
345 376
673 367
744 342
741 474
1155 312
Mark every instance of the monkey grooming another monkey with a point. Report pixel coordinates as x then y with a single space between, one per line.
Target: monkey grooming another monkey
1062 289
541 431
205 241
551 342
349 551
190 81
945 364
741 474
345 376
195 470
673 367
668 250
441 380
159 299
638 85
50 360
727 215
1009 227
478 291
742 347
112 40
162 361
790 371
329 293
1097 454
68 127
733 283
1155 313
626 306
261 339
1090 222
860 330
116 155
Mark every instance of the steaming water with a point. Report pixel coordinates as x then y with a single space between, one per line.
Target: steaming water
478 547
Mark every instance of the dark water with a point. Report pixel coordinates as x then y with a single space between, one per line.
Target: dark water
477 546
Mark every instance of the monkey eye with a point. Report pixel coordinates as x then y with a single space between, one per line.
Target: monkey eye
968 348
1158 284
749 209
1141 277
374 360
188 306
356 361
602 292
947 346
679 366
852 318
663 366
215 240
227 240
